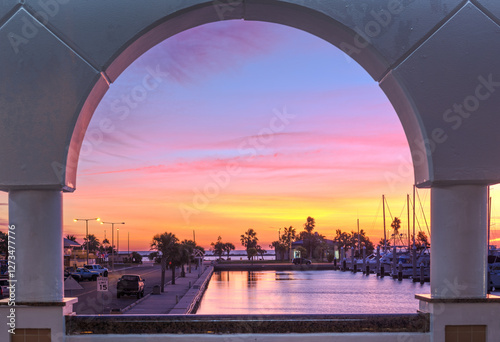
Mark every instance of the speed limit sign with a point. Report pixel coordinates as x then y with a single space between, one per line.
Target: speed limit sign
102 284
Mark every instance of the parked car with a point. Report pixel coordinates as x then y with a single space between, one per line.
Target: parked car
4 288
130 284
83 273
67 273
103 271
301 261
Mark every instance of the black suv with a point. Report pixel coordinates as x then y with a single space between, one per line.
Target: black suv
301 261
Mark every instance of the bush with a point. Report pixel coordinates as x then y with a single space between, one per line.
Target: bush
330 257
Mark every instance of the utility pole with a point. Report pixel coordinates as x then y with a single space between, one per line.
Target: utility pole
113 241
87 232
408 210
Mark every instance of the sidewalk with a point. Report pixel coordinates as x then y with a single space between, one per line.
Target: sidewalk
166 302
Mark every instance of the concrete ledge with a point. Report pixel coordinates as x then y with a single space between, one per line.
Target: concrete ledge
320 337
253 324
66 301
488 299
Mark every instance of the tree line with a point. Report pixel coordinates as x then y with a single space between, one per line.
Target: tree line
172 253
249 240
314 245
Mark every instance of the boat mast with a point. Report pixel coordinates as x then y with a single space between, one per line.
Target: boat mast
383 211
408 211
414 215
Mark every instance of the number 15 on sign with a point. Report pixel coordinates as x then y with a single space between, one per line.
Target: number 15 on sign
102 284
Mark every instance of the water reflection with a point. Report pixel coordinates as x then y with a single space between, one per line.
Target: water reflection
326 292
284 276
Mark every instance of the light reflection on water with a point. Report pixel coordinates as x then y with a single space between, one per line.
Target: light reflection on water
307 292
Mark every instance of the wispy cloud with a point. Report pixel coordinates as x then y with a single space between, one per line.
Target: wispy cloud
202 51
224 81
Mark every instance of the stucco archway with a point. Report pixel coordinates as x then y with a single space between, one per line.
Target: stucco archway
436 62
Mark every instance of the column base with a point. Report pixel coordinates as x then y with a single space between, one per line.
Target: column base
47 316
475 317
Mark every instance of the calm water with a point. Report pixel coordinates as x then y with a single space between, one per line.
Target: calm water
308 292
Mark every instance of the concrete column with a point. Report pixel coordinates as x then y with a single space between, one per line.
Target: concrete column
458 246
37 217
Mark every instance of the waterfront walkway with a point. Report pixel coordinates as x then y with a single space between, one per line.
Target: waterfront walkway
180 298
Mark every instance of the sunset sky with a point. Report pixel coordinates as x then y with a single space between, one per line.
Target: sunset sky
236 125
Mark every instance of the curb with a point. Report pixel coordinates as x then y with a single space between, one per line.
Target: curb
135 303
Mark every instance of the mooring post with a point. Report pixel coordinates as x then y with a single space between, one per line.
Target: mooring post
394 262
414 260
352 260
364 260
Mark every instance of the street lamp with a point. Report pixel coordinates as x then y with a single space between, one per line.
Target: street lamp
113 241
87 231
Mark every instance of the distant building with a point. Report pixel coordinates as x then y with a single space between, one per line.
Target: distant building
71 256
331 246
121 257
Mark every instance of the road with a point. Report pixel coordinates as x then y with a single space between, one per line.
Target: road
92 302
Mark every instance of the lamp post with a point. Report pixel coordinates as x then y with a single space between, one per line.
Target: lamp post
113 241
87 231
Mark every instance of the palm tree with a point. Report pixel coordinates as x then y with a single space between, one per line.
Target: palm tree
280 248
166 245
309 225
228 247
218 247
190 246
251 252
383 243
249 240
396 224
422 241
308 236
261 251
4 244
183 258
287 238
92 242
71 237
